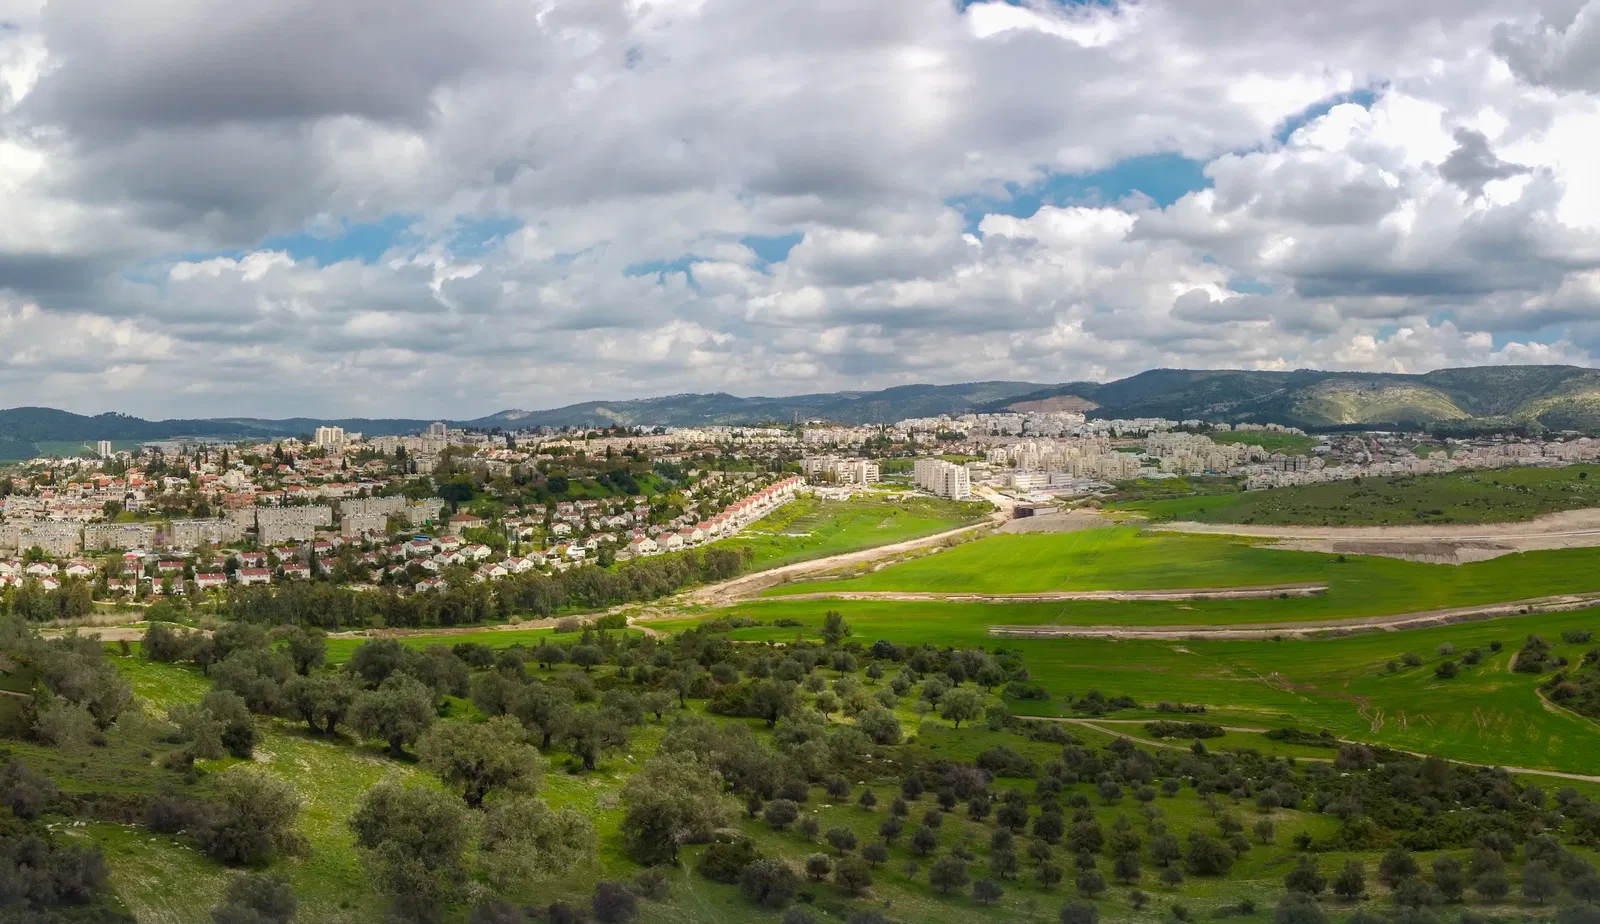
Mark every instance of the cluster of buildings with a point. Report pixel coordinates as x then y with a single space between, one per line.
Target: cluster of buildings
841 470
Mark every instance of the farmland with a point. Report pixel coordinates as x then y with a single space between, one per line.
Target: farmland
809 527
1466 497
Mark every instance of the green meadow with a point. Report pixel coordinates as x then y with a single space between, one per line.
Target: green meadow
1486 714
1123 558
809 527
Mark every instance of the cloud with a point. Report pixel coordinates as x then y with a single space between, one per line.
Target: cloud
158 162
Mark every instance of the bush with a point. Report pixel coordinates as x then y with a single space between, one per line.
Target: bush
769 882
257 899
727 861
614 903
1167 729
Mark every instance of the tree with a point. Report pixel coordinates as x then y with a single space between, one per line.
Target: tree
478 758
323 700
1080 911
1298 908
1449 877
960 705
770 882
876 854
257 898
1305 877
880 725
1539 882
834 628
673 800
308 648
397 712
841 839
1396 865
818 866
412 841
586 657
770 700
1351 883
614 903
545 709
592 732
987 891
524 839
1126 867
948 873
254 817
781 813
1492 885
924 840
1048 873
236 728
1208 856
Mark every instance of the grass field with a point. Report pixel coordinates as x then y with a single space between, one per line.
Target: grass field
1486 714
1287 443
1123 558
1482 496
809 527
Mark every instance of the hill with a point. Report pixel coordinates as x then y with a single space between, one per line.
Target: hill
1558 397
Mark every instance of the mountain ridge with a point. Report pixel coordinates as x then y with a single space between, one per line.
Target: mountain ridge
1557 397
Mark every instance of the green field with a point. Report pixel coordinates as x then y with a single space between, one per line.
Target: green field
1481 496
1292 444
1123 558
1486 714
809 527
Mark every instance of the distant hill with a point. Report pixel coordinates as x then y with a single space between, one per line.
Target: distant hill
1557 397
846 407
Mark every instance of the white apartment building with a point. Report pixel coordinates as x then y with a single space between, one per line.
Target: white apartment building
103 449
946 479
329 438
842 471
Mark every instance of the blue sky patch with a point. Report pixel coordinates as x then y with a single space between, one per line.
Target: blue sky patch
1363 97
1161 178
366 242
473 237
771 249
660 268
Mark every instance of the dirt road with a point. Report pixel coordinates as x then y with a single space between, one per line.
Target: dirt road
731 591
1259 592
1099 726
1448 543
1391 623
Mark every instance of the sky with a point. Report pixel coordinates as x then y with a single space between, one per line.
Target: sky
413 208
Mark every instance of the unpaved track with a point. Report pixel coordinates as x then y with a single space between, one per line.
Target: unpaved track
1391 623
1098 725
729 592
1565 530
1255 592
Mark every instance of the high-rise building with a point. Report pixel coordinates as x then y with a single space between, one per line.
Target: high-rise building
438 429
946 479
329 438
103 449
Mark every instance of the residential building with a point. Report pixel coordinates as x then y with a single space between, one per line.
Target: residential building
946 479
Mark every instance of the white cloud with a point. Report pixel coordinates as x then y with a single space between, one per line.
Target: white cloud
1453 221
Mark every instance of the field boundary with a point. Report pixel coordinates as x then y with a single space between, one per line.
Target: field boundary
1246 592
1319 629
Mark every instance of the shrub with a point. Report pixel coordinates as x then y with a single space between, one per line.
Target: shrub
769 882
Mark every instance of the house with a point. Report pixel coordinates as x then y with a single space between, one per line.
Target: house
169 567
121 586
419 547
210 581
10 569
248 576
80 569
496 570
431 583
464 521
49 583
671 541
296 570
40 569
642 545
477 552
251 559
326 565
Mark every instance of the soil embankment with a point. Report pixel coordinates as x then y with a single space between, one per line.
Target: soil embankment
1322 628
1442 544
1258 592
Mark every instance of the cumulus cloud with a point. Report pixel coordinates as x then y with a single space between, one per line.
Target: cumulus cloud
167 166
